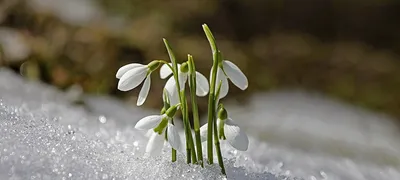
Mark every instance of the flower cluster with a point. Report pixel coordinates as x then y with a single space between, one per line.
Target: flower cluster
161 127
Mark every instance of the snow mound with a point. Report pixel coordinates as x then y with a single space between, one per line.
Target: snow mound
43 137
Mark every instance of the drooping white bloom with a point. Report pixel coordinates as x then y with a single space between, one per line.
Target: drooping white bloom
228 70
156 140
150 122
131 75
236 137
202 86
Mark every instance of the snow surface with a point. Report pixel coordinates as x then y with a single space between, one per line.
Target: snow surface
44 136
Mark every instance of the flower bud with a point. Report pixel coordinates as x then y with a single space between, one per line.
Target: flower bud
222 113
221 130
184 67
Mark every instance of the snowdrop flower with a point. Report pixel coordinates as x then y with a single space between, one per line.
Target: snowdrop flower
228 130
131 75
158 125
202 86
228 70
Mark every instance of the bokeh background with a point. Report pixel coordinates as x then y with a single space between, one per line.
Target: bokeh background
348 50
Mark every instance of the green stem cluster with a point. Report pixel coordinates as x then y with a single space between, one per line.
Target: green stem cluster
196 121
193 146
190 149
212 102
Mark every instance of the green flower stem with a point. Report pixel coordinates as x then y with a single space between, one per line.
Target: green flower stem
216 136
191 154
189 138
196 121
211 98
163 110
173 152
218 148
188 151
181 98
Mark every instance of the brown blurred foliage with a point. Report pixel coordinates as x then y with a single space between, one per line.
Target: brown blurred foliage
348 49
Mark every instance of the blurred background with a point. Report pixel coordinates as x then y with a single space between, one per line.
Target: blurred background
348 50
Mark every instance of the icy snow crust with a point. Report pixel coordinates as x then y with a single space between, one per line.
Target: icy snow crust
43 136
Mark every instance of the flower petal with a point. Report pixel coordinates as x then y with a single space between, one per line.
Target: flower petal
155 144
235 75
149 122
174 99
166 96
224 86
132 78
202 86
235 136
173 137
203 132
182 79
165 71
170 86
144 91
149 133
122 70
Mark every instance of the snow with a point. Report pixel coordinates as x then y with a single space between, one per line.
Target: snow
44 136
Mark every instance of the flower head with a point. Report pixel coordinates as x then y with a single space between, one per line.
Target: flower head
202 86
158 125
131 75
228 130
228 70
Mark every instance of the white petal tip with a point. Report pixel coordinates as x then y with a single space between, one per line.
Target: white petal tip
202 86
155 145
203 132
149 122
235 75
241 146
173 138
144 91
236 137
165 71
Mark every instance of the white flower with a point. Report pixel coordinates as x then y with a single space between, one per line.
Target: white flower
131 75
231 71
150 122
202 86
236 137
156 140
